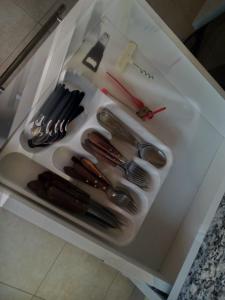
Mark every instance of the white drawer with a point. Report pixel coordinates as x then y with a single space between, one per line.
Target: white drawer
193 128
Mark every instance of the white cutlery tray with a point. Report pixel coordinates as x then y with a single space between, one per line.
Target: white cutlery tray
58 155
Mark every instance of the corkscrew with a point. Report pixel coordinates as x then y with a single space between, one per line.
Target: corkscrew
127 58
143 71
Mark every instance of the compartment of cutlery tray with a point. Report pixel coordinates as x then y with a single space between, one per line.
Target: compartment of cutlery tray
31 173
58 114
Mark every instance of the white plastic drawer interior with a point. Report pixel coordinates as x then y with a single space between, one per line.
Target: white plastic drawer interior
192 127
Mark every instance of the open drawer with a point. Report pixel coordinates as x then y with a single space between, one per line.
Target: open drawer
191 130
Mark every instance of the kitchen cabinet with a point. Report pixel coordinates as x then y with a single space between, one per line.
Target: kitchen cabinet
192 128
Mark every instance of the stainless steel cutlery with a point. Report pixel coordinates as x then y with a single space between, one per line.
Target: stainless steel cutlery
86 171
51 122
101 147
117 128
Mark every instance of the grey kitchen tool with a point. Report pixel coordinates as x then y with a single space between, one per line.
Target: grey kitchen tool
117 128
93 59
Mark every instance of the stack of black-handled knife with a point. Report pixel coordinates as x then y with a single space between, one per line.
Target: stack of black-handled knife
50 123
73 200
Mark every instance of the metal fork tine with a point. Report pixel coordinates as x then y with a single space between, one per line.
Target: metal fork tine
140 183
132 208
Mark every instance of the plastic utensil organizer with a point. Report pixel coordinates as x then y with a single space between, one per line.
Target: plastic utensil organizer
59 155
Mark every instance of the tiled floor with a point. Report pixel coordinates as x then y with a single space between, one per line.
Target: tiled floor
20 20
34 262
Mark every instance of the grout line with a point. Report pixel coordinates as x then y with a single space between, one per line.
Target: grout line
21 8
49 270
24 10
13 287
136 292
37 23
114 279
132 293
39 298
21 42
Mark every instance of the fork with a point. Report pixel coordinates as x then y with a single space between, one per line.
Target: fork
85 170
100 146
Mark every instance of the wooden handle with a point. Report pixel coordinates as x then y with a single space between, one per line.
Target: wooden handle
85 177
57 197
89 165
99 153
38 188
103 143
65 201
80 173
63 184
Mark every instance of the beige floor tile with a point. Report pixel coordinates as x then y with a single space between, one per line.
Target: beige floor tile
9 293
137 295
35 8
77 275
121 289
26 252
15 24
17 50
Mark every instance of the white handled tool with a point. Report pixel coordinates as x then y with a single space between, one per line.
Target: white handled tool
127 59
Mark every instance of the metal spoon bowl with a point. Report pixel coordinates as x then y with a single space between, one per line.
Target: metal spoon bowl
122 198
152 154
117 128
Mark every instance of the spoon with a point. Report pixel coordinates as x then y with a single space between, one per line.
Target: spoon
117 128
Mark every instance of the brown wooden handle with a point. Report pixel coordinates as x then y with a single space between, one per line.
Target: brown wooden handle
65 201
99 153
57 197
85 177
50 178
89 165
68 190
85 174
38 188
103 143
80 173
